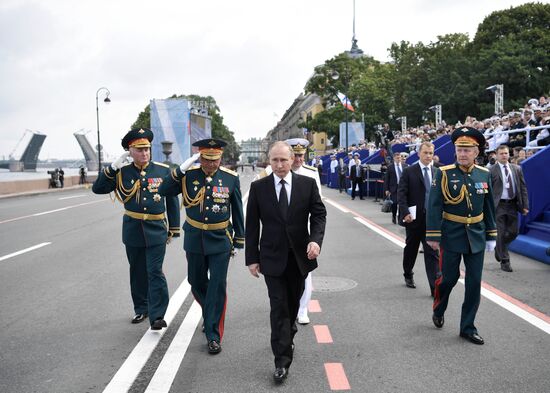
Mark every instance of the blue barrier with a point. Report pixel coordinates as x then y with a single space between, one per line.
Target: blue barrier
534 238
444 156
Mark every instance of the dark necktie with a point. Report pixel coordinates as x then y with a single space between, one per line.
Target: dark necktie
426 186
510 188
283 200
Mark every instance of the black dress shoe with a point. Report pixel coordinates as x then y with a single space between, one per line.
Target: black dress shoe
438 321
214 347
139 318
280 374
409 282
473 337
393 220
506 267
158 324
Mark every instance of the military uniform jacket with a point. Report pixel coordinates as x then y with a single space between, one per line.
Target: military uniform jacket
209 204
144 223
461 213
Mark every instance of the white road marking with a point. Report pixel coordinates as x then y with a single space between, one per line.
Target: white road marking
24 251
130 369
342 208
51 211
515 309
71 197
168 368
523 314
381 233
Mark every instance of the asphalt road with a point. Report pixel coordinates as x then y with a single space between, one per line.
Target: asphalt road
66 307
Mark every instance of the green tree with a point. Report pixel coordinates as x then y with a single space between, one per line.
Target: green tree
512 47
437 73
219 129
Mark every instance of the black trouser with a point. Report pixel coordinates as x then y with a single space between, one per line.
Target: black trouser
357 182
394 207
284 292
507 228
342 182
415 236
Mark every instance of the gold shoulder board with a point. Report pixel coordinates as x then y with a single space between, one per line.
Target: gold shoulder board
446 167
222 168
161 164
194 167
311 168
482 168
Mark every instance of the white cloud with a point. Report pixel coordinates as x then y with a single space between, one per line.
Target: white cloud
253 57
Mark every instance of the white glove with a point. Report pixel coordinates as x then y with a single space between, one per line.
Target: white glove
190 161
119 163
490 245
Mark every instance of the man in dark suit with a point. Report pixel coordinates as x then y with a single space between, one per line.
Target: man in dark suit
412 197
510 197
356 176
282 204
391 181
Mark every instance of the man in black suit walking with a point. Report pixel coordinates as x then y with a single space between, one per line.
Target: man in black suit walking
391 181
282 204
412 197
356 176
510 197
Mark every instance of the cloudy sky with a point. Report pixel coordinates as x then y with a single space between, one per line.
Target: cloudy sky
254 57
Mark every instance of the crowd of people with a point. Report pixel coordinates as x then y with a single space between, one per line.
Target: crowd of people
535 113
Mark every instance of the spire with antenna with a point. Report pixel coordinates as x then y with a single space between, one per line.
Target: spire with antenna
355 51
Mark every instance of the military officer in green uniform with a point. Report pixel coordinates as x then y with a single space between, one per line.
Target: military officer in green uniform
211 197
145 231
461 224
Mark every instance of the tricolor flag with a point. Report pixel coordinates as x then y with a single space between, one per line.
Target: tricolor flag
345 101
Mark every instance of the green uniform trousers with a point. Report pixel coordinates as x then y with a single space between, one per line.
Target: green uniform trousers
147 281
450 273
210 293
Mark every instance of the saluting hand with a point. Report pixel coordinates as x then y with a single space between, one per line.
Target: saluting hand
190 161
120 161
313 250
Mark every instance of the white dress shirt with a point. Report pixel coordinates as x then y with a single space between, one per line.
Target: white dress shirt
288 185
506 180
429 166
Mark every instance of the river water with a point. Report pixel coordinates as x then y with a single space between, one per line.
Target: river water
41 173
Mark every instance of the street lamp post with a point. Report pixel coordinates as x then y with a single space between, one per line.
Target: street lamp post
498 91
106 100
438 114
335 76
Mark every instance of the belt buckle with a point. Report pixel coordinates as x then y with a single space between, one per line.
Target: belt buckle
468 220
205 226
145 216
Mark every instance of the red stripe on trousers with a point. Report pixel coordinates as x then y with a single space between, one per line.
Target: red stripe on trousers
437 298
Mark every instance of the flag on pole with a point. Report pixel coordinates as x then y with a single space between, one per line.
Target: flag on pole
345 101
